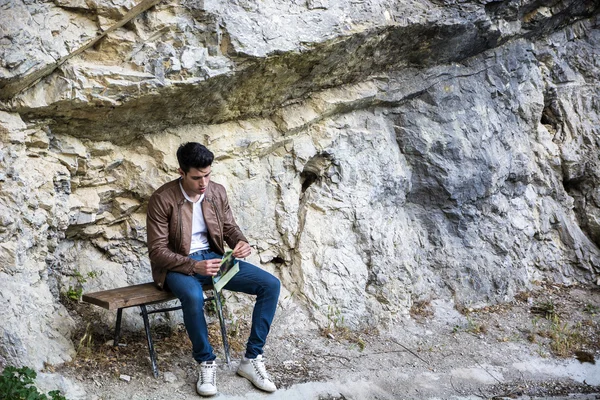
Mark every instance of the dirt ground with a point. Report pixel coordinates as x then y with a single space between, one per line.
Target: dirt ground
544 344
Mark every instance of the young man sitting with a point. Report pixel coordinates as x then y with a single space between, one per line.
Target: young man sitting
188 223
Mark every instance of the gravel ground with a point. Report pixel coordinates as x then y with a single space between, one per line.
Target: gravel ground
544 344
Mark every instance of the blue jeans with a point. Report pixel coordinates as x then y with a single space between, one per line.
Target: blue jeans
250 279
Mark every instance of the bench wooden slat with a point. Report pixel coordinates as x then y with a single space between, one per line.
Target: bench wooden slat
129 296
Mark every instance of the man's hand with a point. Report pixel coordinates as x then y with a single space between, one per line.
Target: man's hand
207 267
242 250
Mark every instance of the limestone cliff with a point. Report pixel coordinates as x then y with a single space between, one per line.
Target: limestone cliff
376 152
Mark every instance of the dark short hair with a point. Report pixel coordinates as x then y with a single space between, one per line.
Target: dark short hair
194 155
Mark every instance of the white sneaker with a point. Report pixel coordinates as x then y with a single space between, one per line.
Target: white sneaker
254 370
207 378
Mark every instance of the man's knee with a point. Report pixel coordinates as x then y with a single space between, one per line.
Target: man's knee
272 285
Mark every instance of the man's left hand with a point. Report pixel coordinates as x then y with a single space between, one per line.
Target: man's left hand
242 250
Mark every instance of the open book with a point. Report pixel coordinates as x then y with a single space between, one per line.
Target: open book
228 268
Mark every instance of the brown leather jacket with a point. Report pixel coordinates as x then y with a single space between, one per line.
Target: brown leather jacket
169 228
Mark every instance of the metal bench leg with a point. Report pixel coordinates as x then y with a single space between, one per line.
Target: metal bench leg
217 298
149 337
118 327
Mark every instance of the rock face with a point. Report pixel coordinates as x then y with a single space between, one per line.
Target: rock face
376 153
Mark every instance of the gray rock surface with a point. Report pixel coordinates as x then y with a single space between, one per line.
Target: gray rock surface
376 153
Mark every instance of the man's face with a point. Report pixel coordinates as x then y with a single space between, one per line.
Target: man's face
195 181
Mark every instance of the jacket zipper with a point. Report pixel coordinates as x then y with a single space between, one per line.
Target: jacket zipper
218 221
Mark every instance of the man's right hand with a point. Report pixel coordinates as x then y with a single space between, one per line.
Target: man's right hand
207 267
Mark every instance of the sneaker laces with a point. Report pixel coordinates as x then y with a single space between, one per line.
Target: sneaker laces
259 367
208 373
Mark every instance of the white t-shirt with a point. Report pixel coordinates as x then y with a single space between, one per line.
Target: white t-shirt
199 230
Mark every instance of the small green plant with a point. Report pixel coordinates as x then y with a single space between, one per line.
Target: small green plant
81 279
591 309
335 319
18 384
74 293
472 327
361 343
564 339
547 309
234 327
475 327
84 347
211 306
336 328
94 274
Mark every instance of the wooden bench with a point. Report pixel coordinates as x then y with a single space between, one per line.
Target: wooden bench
143 295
